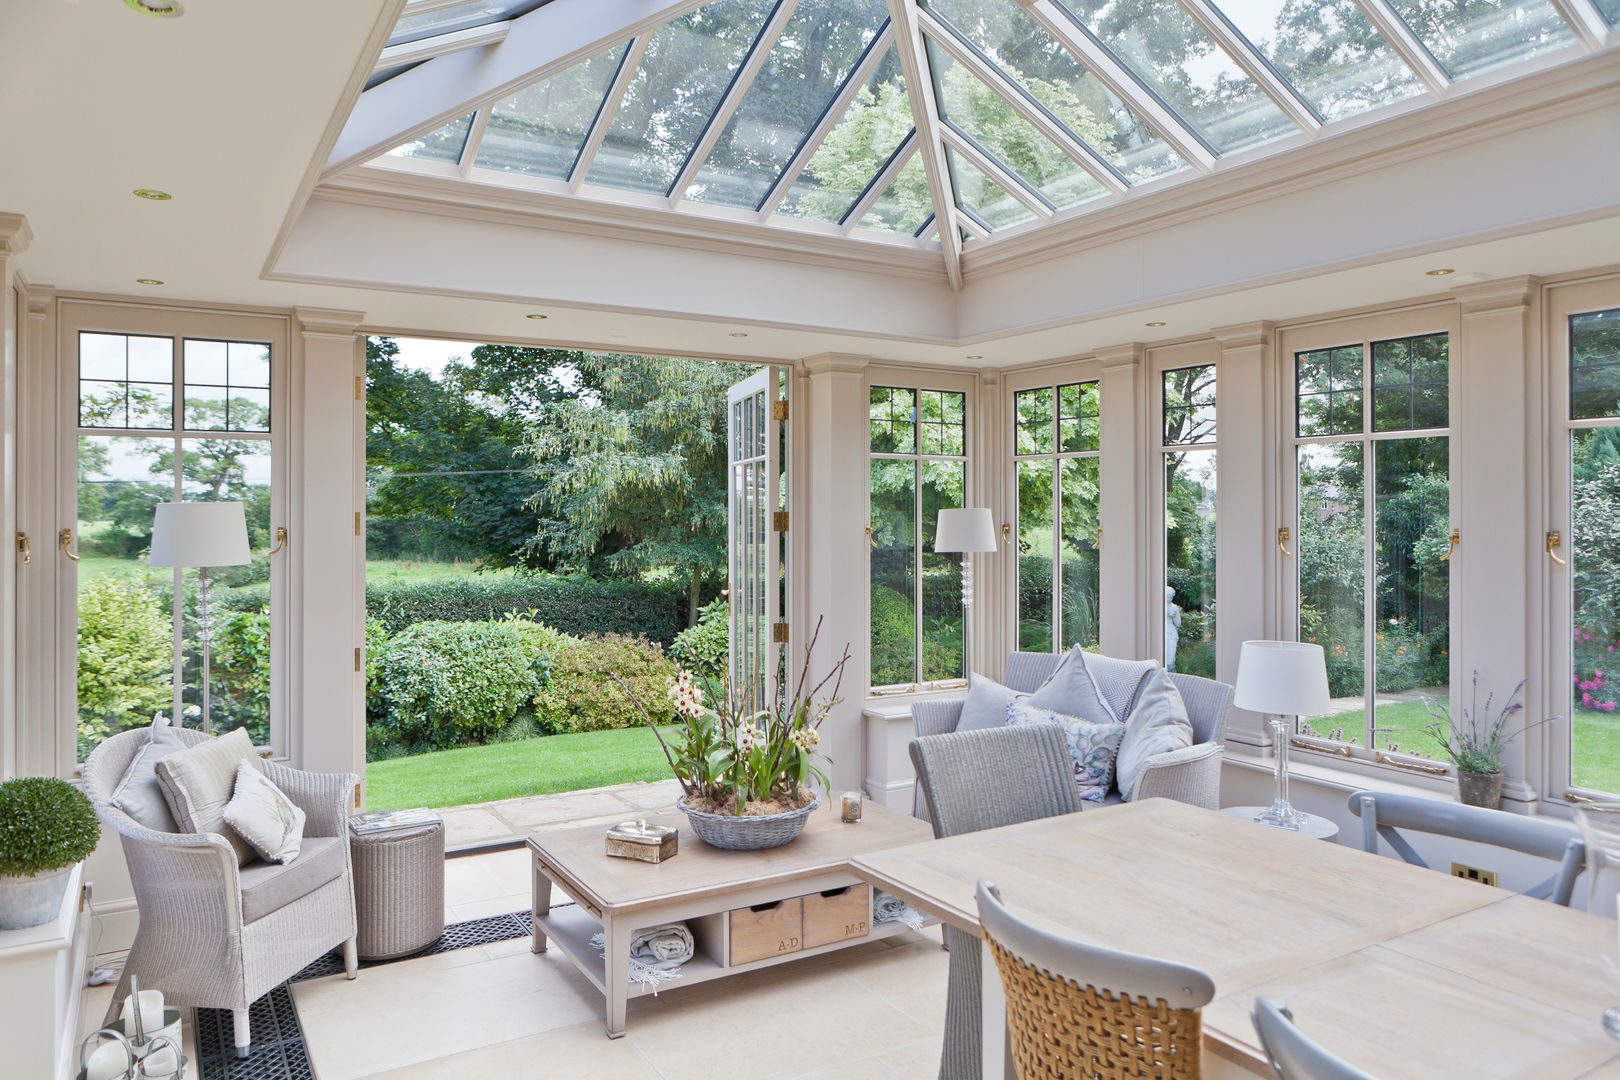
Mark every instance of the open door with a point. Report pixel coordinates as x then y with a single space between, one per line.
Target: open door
756 435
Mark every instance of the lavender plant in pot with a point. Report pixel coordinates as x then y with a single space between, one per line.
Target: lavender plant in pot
746 774
47 826
1476 742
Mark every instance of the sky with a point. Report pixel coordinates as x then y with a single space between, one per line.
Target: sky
431 354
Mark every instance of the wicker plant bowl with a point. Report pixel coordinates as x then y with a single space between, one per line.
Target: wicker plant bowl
748 833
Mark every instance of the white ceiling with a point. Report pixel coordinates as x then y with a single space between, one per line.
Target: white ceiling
228 107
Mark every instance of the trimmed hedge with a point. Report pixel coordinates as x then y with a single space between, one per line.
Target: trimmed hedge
447 683
582 696
576 605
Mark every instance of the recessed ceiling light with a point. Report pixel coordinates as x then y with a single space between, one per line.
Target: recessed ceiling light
1440 273
975 357
1155 324
147 281
535 315
160 9
738 333
153 194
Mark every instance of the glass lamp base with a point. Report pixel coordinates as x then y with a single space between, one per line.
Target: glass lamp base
1282 816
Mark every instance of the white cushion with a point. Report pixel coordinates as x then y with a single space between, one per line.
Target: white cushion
986 704
262 815
1091 746
1158 724
1072 691
138 793
198 782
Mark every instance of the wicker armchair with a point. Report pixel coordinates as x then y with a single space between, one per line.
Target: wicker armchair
1190 775
216 935
1082 1010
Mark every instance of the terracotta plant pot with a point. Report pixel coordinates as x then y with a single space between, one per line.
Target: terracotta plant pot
1479 789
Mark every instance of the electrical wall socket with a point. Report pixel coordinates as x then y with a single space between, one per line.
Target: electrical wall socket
1473 873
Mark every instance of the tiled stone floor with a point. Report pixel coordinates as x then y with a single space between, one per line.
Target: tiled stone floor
871 1012
512 819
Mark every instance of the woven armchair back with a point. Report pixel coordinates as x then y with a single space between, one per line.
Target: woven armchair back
1079 1010
107 764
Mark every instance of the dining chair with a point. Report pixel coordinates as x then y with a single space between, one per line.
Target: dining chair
1293 1055
976 780
1382 813
1081 1010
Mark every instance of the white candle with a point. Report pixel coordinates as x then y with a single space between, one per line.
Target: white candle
160 1064
109 1061
151 1006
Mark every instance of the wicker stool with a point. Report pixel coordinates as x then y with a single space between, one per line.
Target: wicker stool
398 889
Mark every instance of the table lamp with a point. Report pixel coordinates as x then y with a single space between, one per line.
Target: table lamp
966 531
201 535
1282 679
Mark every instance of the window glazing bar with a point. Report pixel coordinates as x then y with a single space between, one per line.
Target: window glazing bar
970 221
986 163
1101 63
1255 66
1025 106
925 117
829 119
1406 44
475 138
628 66
414 52
757 55
879 183
1586 21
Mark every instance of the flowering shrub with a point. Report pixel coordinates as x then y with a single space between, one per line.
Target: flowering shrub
1595 685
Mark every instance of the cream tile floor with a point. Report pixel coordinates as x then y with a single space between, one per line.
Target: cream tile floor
872 1012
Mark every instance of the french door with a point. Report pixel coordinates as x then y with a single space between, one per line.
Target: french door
757 502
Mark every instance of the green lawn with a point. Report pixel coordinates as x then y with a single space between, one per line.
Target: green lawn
1597 750
424 570
540 766
1407 718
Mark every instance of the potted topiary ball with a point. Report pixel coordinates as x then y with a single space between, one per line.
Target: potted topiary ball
47 826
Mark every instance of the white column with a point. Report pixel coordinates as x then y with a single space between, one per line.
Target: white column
838 551
1122 569
45 721
327 543
14 237
1248 563
995 575
1496 410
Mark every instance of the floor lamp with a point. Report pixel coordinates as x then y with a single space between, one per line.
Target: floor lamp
201 535
966 532
1282 679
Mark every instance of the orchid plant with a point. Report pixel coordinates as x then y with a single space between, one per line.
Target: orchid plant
731 755
1469 746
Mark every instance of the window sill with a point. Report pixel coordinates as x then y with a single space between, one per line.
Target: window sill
1305 767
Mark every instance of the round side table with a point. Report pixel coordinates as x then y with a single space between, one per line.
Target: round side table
1315 826
398 889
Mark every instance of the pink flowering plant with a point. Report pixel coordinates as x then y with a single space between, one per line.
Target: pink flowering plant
1596 686
1471 745
729 756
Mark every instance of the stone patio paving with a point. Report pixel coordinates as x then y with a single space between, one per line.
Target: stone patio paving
515 819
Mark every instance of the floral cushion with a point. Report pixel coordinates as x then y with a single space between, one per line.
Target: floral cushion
1093 747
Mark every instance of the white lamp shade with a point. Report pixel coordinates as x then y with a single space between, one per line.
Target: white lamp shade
200 534
973 529
1285 678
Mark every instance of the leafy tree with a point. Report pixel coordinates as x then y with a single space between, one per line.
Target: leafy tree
125 658
632 477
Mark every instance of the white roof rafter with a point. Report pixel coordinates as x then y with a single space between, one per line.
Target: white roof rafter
414 52
880 183
1005 178
829 119
1255 66
716 127
1413 52
925 115
1587 22
622 79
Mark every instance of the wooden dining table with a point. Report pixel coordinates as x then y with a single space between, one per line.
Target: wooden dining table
1402 971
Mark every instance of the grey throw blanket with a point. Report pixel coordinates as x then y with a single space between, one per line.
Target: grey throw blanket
656 953
887 909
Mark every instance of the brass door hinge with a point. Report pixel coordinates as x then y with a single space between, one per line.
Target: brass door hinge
357 796
779 410
357 388
25 548
357 659
779 633
357 523
779 521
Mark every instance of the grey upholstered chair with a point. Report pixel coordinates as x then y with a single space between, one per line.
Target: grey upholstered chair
1382 813
1189 775
216 935
976 780
1293 1056
1083 1010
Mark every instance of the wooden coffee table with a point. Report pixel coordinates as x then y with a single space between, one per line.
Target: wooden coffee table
746 909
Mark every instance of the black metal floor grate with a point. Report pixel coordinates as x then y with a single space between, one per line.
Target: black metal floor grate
278 1051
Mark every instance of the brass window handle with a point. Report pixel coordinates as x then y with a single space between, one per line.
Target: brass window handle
1555 539
63 539
871 539
281 540
1456 538
26 548
1283 536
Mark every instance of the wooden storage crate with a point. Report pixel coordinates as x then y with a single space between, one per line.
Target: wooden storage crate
837 915
766 930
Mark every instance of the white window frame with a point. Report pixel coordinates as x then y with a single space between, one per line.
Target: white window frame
919 381
1364 330
1195 355
1557 687
178 323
